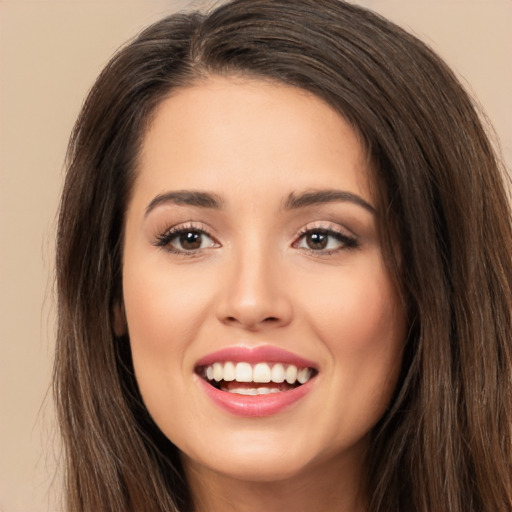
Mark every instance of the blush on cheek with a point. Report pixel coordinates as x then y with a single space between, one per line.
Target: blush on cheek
359 325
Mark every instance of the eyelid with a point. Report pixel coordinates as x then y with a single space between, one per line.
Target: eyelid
347 238
328 226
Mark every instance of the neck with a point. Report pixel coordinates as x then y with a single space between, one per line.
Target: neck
327 487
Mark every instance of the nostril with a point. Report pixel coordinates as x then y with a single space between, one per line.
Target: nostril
253 324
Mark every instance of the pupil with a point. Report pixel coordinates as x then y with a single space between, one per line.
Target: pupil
190 240
317 240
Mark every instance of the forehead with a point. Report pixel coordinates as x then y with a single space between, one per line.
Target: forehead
248 132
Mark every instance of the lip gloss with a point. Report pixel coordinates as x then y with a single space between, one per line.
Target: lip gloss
255 405
253 355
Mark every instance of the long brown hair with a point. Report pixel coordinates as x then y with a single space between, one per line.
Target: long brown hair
445 442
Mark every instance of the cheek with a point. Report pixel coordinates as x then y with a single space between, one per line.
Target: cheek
162 308
362 324
360 311
164 311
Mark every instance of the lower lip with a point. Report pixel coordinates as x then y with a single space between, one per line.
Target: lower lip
252 406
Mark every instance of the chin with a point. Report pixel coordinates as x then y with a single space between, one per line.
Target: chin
263 467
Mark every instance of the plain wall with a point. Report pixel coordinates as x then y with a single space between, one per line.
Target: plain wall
50 53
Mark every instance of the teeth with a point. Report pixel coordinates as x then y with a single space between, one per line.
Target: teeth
243 372
278 374
291 374
303 375
218 372
259 373
229 372
244 391
266 391
253 391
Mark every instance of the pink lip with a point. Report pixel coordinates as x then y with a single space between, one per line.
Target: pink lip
264 353
255 406
259 405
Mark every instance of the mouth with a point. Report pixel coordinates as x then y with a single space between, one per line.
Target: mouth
262 378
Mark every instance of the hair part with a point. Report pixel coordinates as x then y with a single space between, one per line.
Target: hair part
444 220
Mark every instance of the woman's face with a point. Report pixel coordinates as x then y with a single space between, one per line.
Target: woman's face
265 329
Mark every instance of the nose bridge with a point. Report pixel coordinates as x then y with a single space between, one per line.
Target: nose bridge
254 294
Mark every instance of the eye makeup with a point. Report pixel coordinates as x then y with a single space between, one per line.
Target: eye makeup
188 239
325 241
192 238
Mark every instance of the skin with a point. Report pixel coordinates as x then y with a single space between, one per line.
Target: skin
256 281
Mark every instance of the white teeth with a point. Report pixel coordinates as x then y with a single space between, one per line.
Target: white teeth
260 373
229 372
291 374
303 375
278 374
243 372
253 391
244 391
218 372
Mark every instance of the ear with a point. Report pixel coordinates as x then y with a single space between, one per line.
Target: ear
119 317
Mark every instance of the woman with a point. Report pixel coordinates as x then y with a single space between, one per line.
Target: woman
284 273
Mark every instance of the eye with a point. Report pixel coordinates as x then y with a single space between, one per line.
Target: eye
325 240
190 240
183 240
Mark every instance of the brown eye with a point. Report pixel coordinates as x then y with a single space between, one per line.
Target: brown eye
317 240
325 241
186 240
190 240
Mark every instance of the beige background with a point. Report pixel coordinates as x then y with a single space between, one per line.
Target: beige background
50 53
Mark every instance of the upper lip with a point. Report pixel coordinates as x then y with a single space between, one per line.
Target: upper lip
253 355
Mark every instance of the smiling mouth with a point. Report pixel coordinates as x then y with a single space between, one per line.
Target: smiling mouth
255 379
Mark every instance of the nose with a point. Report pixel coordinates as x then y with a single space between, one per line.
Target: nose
254 296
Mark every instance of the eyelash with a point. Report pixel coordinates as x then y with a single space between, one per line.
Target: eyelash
165 240
347 242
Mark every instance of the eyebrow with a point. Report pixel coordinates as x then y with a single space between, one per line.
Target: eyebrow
188 198
293 202
325 196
